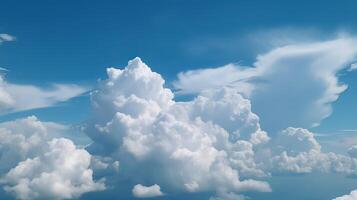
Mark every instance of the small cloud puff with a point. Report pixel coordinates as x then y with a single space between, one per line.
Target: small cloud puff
141 191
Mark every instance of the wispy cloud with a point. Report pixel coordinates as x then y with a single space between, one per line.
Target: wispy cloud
298 81
15 97
4 37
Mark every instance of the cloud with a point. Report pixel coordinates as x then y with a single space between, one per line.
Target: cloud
6 38
211 143
35 165
195 81
62 172
200 145
295 150
292 85
296 140
351 196
141 191
353 67
24 138
14 97
223 195
352 151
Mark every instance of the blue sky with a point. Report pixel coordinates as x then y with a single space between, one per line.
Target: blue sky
60 50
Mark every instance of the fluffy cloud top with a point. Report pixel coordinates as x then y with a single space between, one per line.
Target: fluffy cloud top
39 167
351 196
185 144
297 151
60 173
21 139
293 85
141 191
14 97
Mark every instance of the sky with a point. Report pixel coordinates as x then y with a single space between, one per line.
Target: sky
215 100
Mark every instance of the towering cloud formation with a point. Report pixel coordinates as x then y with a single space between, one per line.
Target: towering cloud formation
293 85
201 145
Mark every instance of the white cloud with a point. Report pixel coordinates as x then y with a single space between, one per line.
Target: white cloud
296 140
295 150
211 143
353 67
62 172
231 75
223 195
292 85
186 144
352 151
351 196
141 191
23 138
4 37
33 165
14 97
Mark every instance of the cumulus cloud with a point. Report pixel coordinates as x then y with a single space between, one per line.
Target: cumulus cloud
295 150
23 138
351 196
141 191
201 145
60 173
33 165
14 97
211 143
292 85
196 81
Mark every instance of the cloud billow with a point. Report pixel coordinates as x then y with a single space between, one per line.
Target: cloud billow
185 146
35 165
